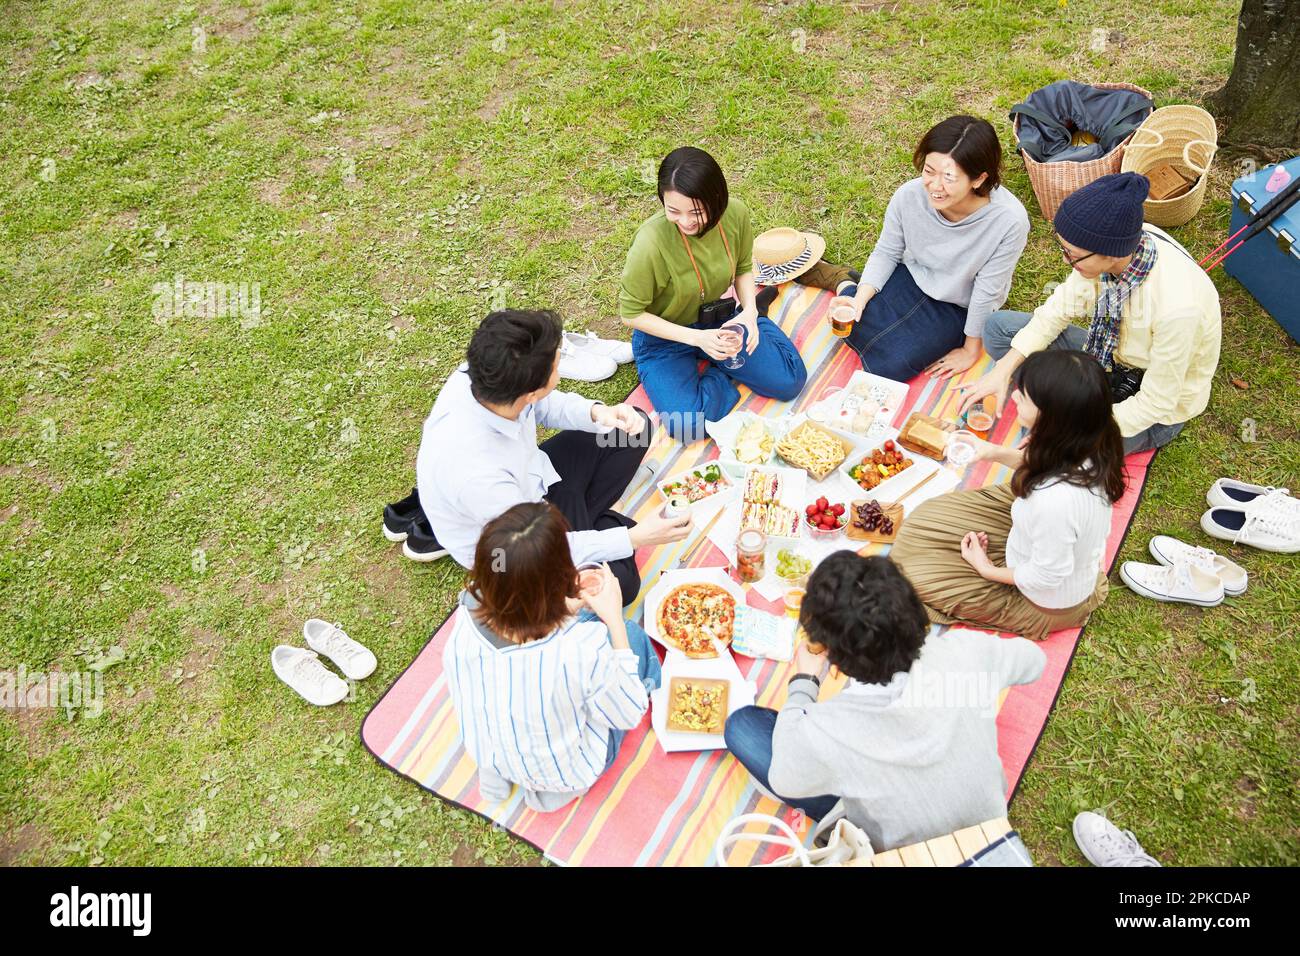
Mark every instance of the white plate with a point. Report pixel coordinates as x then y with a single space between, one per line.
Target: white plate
674 578
705 506
891 488
890 395
740 694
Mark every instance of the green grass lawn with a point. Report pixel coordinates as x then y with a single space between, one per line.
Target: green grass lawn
178 494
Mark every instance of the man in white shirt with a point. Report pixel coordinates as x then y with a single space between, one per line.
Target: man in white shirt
479 454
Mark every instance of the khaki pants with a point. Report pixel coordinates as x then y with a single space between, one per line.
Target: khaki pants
928 552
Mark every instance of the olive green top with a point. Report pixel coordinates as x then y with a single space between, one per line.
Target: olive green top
658 277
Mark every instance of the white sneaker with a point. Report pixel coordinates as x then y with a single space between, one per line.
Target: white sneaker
1271 523
1230 493
1105 844
616 349
1176 583
352 659
583 366
1169 550
303 671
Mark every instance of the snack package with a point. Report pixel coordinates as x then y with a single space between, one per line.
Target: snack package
761 634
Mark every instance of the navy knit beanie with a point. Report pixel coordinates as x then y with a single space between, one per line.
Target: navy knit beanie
1105 216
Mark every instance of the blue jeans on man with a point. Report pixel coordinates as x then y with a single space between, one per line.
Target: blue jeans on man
685 397
748 734
1002 327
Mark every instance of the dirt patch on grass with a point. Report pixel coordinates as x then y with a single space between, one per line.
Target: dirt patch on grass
230 23
18 843
498 100
271 192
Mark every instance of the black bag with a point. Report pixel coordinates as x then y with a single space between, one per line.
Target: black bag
1050 117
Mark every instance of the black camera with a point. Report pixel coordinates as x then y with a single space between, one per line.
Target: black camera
713 314
1124 383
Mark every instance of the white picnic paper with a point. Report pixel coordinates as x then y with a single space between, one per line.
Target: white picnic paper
726 431
763 634
723 667
944 481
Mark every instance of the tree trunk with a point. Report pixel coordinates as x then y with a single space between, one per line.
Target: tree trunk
1259 106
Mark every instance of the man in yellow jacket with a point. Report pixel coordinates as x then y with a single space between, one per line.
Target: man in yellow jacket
1154 320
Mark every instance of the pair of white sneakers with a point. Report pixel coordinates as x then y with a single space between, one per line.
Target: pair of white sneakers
586 358
302 670
1259 515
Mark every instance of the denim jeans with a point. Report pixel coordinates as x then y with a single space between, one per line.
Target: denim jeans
748 734
1002 327
648 669
685 397
903 330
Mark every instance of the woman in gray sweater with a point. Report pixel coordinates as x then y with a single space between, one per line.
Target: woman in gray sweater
943 263
910 745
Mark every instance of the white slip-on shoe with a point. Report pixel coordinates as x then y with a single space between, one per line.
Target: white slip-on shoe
616 349
1169 550
1231 493
583 366
331 640
303 671
1270 523
1178 583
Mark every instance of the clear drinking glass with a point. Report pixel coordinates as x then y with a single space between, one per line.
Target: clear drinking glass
736 333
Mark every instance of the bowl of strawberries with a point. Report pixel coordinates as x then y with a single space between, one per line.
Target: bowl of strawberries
825 519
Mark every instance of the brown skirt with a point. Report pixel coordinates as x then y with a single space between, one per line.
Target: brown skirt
928 552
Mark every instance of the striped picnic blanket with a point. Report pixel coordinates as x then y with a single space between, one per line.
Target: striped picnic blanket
656 809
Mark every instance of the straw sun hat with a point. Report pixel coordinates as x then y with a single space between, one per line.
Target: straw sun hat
784 254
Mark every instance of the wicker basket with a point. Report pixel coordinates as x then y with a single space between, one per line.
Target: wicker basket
1186 138
1052 182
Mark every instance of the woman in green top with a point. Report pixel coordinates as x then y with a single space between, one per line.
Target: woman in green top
682 261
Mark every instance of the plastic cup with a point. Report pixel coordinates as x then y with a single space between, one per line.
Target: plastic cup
591 578
980 422
960 450
794 601
841 320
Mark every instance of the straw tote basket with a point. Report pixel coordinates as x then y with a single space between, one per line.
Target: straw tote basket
1052 182
1186 138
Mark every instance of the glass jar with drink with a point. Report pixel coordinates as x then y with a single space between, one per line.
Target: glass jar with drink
751 555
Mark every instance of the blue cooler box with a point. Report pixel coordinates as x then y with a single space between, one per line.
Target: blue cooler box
1269 264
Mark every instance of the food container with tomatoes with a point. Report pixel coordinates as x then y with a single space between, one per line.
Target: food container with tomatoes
825 519
697 484
879 465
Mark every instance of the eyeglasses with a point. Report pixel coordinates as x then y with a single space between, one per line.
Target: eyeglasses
1065 254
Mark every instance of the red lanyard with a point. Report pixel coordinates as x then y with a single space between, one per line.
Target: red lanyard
726 245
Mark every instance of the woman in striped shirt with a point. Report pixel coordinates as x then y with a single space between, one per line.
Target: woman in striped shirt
545 674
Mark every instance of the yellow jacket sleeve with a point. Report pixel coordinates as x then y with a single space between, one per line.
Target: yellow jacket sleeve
1073 297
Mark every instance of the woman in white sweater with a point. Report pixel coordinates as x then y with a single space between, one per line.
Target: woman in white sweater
1027 557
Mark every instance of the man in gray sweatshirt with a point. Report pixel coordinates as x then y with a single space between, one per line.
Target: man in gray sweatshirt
908 750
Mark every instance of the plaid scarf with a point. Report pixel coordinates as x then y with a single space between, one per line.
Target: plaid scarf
1103 333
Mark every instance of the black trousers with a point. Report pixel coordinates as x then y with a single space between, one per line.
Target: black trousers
594 472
